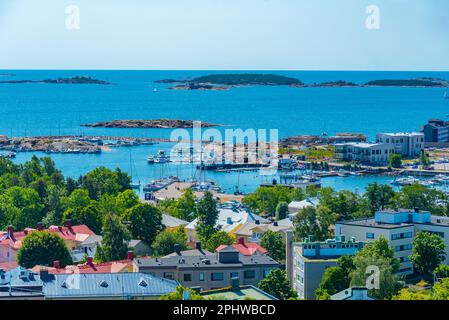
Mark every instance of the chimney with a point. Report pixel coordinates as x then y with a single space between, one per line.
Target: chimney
40 226
178 249
43 274
198 245
68 223
89 261
57 264
10 229
241 241
130 255
257 222
275 224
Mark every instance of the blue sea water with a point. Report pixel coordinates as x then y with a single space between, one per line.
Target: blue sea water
52 109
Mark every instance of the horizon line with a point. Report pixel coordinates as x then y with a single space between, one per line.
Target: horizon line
257 70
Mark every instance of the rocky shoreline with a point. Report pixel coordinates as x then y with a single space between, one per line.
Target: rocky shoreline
73 80
49 145
153 124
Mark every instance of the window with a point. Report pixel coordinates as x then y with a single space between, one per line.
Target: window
369 235
169 275
187 277
249 274
234 275
202 276
266 272
405 235
217 276
404 247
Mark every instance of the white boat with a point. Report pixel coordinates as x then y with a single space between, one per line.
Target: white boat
160 157
406 181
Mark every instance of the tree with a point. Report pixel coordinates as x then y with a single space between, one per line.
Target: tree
217 239
314 222
281 210
179 293
126 200
114 245
394 160
207 215
186 205
144 221
43 248
89 215
274 242
442 271
407 294
102 181
334 280
276 284
441 290
428 252
165 241
379 196
55 203
382 250
424 159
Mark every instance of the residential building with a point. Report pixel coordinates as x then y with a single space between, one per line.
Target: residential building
252 232
245 248
295 206
354 293
436 131
309 260
230 217
365 153
73 236
171 222
102 286
399 227
237 292
209 270
408 144
20 284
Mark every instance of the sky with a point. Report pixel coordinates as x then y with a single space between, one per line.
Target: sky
225 34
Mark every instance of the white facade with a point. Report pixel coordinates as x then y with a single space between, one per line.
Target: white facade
408 144
399 227
367 153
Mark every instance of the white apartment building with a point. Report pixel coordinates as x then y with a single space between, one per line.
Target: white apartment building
399 227
408 144
366 153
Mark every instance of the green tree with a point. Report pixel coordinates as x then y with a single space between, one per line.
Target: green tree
114 245
441 290
102 181
428 252
207 215
186 205
56 204
379 196
394 160
165 241
442 271
407 294
381 249
424 159
179 292
42 248
314 222
276 284
274 242
144 221
217 239
281 210
334 280
89 215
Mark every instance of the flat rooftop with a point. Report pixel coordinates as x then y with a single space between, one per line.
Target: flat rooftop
244 292
370 222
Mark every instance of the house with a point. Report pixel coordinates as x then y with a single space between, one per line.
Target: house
253 232
399 227
237 292
354 293
230 217
73 237
408 144
295 206
171 222
307 261
247 249
105 286
20 284
90 266
139 247
365 153
208 271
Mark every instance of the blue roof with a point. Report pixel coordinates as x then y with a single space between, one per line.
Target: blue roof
19 276
106 285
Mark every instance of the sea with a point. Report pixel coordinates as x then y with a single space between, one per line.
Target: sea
33 109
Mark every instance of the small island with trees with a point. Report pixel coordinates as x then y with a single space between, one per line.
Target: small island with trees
155 124
72 80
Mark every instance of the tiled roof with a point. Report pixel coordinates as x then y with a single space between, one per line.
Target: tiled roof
76 233
105 267
247 249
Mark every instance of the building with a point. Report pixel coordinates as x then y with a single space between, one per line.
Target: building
436 131
252 232
237 292
20 284
365 153
245 248
171 222
230 217
295 206
209 270
102 286
354 293
311 259
73 236
399 227
408 144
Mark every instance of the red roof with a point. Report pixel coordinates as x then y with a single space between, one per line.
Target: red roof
247 249
76 233
105 267
6 266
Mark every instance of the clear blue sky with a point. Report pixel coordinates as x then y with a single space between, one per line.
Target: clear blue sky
225 34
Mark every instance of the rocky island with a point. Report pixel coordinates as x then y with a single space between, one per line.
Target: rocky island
419 82
157 123
73 80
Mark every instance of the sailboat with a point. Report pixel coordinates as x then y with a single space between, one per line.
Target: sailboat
133 185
